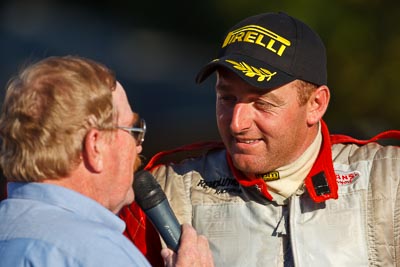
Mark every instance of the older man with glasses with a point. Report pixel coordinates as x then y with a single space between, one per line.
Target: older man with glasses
69 163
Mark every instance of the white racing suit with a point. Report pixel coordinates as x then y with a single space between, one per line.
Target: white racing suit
347 213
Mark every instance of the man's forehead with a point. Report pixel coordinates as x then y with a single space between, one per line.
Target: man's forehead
121 104
226 78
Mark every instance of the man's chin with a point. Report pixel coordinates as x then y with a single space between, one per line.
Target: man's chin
244 162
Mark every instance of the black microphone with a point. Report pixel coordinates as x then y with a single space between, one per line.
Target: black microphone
153 201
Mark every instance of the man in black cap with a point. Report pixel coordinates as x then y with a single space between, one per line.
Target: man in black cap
280 190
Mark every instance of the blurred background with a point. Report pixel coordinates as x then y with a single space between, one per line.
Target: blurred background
157 47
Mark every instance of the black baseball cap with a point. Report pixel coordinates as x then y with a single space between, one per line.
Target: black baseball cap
269 50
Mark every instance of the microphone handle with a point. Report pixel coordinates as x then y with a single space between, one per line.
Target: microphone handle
166 223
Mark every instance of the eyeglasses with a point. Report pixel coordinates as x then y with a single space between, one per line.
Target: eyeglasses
138 132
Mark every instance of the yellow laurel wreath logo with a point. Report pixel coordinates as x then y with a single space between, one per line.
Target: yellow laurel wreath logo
251 71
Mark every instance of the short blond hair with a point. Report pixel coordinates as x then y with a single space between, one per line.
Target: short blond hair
48 109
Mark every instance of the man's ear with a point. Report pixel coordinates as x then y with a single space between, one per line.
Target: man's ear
92 150
318 104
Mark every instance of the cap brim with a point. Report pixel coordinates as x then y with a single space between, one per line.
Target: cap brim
252 71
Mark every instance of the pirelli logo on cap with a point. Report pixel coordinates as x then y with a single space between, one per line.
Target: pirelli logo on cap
259 36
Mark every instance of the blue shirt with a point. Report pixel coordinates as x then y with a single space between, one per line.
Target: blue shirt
48 225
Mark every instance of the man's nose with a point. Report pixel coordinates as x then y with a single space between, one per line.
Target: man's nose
241 117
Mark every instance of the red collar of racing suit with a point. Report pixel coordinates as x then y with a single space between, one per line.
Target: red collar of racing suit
320 182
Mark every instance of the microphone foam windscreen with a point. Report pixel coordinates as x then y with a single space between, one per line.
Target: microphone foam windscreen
148 192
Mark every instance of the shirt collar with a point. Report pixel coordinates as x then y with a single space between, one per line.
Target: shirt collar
65 199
